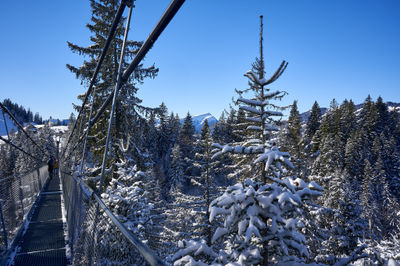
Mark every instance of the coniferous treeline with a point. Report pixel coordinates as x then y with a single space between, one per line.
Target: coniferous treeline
354 153
21 114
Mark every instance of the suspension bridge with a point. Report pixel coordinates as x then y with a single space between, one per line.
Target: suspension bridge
61 220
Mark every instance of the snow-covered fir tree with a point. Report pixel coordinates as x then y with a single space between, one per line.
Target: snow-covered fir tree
177 174
203 162
186 141
260 218
291 140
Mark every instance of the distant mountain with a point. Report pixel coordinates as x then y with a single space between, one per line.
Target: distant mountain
304 116
199 120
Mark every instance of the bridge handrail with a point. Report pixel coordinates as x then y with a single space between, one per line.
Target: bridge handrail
89 199
18 193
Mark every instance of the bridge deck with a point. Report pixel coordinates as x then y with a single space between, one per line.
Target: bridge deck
43 242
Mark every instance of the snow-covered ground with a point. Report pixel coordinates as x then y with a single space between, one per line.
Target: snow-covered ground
59 129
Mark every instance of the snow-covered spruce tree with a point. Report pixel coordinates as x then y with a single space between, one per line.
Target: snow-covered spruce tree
128 197
163 144
309 141
260 216
260 114
342 219
23 162
167 134
256 218
390 211
331 143
370 208
291 140
186 141
222 133
355 153
204 163
392 163
395 117
129 111
176 175
47 140
150 137
239 168
349 118
368 119
7 161
313 121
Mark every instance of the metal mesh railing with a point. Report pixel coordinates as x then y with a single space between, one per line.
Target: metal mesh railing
17 195
96 237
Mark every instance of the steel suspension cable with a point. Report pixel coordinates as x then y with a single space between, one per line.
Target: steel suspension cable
169 13
22 128
114 25
19 148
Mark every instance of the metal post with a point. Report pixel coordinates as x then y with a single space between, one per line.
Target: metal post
21 194
87 134
39 181
3 225
32 185
117 87
58 147
57 156
79 132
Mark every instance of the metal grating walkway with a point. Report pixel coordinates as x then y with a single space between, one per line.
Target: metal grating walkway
43 242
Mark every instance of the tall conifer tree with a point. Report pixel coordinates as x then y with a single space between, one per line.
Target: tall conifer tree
129 110
292 136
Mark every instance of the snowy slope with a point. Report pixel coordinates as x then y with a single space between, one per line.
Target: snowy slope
9 122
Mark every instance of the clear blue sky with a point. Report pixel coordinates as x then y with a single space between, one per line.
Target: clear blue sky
335 49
